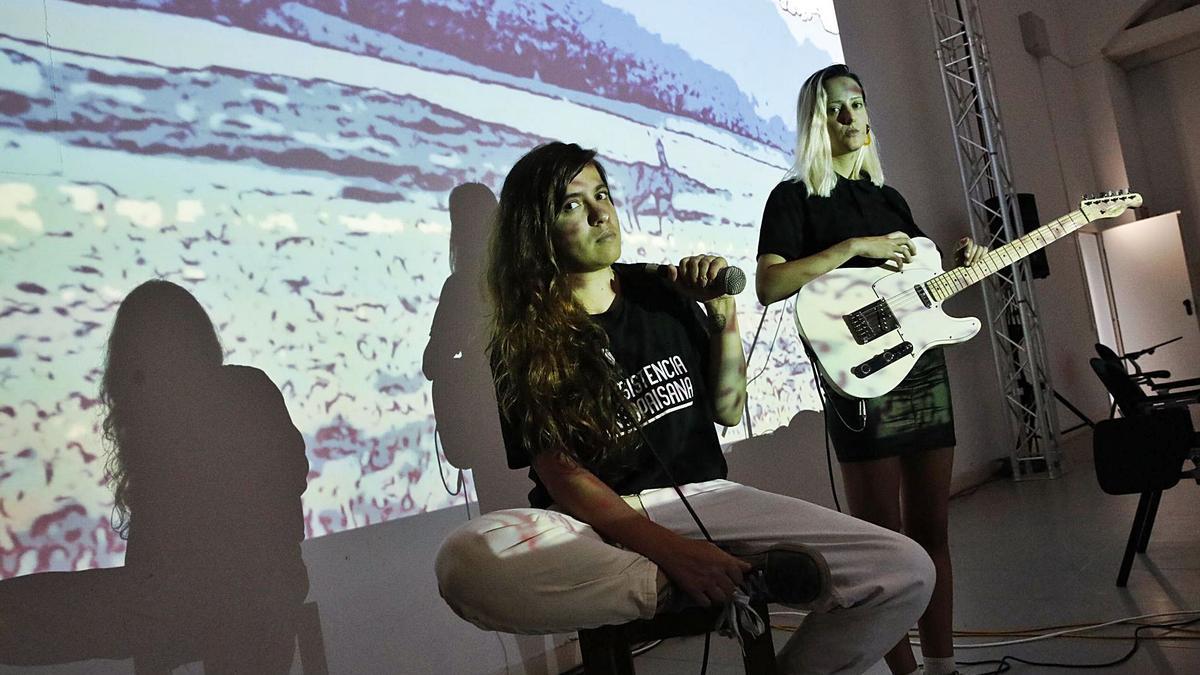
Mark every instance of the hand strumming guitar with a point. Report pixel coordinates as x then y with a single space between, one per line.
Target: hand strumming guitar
896 247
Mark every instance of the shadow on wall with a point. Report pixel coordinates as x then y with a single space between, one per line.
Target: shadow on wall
788 461
464 397
207 470
455 361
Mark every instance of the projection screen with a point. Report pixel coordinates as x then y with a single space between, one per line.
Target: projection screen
314 172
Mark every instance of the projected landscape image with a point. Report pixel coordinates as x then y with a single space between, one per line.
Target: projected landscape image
318 174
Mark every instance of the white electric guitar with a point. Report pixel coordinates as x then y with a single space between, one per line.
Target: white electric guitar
868 326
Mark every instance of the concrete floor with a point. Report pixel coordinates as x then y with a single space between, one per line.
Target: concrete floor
1040 553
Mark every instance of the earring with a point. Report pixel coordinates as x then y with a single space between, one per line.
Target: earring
868 135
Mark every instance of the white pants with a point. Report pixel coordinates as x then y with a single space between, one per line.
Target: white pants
540 571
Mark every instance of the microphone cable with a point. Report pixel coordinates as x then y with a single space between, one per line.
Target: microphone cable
461 483
641 431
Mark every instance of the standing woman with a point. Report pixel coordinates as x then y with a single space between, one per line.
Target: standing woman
896 451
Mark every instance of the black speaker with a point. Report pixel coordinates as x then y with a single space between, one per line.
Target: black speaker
1029 221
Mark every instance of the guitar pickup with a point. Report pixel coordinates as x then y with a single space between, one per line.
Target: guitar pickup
882 360
870 322
923 295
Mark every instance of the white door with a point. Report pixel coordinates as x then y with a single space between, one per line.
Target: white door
1152 295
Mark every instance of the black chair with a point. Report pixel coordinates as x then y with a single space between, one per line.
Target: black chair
1126 388
1177 392
1144 451
607 650
1142 455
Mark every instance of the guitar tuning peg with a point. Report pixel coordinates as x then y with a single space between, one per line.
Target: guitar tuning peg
1087 196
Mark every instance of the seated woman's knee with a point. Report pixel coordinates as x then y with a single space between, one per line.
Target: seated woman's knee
913 564
465 560
482 558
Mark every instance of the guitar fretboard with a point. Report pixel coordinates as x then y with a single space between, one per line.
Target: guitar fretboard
948 283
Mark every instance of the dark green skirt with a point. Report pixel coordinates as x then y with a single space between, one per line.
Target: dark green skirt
914 416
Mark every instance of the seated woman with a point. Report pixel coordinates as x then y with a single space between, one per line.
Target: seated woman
609 379
207 470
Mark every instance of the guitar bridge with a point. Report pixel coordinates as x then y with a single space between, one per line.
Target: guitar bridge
870 322
882 360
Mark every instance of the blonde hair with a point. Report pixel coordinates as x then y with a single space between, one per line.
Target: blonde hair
814 156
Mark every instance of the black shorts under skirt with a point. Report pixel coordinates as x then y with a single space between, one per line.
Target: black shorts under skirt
914 416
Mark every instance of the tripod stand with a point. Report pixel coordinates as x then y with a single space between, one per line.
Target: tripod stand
1085 421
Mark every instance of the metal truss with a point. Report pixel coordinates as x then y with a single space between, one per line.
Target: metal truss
1012 317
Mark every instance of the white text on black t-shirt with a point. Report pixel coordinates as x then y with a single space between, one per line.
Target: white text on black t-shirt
659 388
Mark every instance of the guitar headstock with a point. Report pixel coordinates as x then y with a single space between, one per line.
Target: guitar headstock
1109 204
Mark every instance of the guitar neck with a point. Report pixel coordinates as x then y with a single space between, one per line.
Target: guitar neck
948 283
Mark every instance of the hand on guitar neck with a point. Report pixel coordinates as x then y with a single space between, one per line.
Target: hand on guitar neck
968 252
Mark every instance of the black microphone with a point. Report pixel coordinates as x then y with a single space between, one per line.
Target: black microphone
730 279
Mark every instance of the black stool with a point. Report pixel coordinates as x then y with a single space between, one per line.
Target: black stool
606 650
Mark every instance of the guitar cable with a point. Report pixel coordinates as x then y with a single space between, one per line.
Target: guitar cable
862 408
770 349
822 394
825 405
1178 624
754 343
837 504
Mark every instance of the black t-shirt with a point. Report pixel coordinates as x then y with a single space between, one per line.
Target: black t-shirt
660 344
796 225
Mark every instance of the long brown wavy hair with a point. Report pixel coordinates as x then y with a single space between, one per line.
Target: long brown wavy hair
551 362
162 342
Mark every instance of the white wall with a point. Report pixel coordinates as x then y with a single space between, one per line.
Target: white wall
1165 96
1138 119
